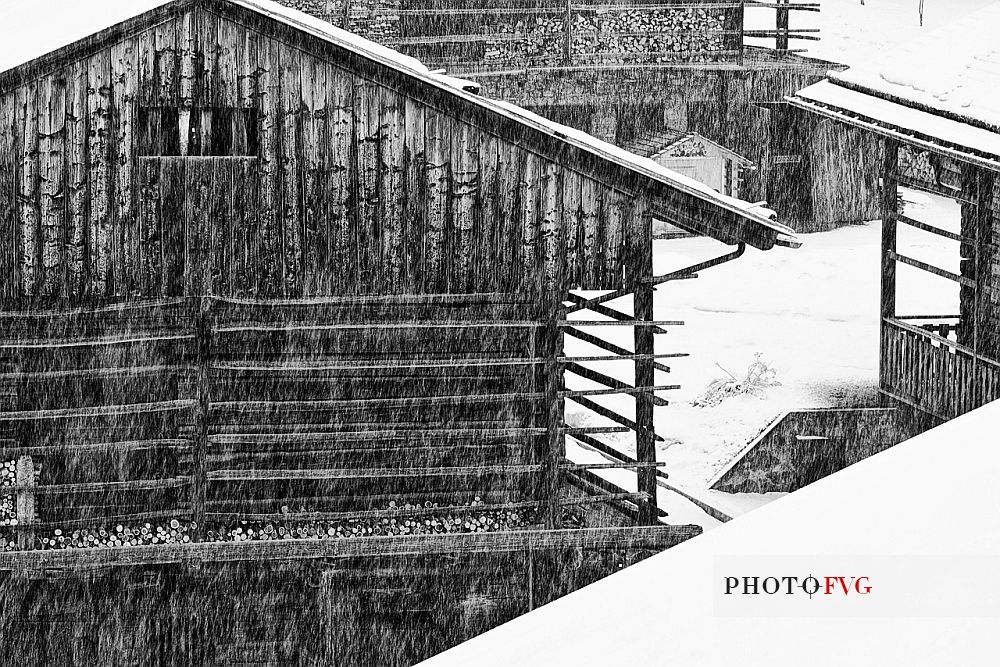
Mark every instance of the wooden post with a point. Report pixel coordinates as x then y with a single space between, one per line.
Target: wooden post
888 279
24 476
781 23
889 196
199 473
978 302
346 18
733 27
568 34
551 348
639 265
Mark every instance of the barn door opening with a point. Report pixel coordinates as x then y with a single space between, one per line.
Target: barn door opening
198 223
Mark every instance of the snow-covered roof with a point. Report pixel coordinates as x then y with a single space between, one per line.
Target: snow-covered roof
694 136
27 33
943 86
955 69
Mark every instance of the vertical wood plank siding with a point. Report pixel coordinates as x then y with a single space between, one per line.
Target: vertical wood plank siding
352 187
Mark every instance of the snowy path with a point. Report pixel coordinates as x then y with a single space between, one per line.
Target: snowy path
811 312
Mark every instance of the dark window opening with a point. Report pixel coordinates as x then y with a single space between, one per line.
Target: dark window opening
205 131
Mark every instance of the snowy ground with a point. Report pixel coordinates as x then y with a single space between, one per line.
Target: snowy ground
811 312
852 32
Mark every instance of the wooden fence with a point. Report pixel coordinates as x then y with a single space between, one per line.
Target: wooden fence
933 372
211 411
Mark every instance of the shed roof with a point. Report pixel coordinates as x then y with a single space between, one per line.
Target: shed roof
939 91
33 42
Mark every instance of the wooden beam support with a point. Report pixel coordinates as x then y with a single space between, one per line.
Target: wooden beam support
199 465
609 381
648 537
639 265
890 169
601 309
555 450
610 414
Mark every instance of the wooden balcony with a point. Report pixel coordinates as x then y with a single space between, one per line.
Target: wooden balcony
932 372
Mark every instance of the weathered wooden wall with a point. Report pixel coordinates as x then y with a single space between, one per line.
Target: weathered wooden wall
980 304
804 446
392 611
845 164
344 182
217 410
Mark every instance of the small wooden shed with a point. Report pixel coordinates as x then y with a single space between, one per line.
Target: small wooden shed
704 160
264 281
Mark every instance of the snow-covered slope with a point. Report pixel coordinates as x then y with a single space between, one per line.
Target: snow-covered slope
854 32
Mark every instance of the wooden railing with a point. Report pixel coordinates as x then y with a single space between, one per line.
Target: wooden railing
933 372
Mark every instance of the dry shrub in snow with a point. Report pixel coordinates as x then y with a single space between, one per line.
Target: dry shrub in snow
760 376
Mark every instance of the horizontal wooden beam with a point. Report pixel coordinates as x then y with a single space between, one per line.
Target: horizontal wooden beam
932 229
97 411
98 487
612 323
628 391
400 365
277 407
94 447
608 413
924 266
695 268
111 309
404 325
800 6
389 433
639 537
628 357
611 296
54 344
474 298
94 373
601 309
238 475
606 380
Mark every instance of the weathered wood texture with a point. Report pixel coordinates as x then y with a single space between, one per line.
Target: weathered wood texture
203 156
245 407
394 610
803 446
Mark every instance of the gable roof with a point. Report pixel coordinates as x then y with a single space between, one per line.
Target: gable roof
939 91
33 43
694 136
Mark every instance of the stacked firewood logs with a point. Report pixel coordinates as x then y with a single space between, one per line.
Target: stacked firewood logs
422 524
376 20
119 535
411 520
8 478
632 35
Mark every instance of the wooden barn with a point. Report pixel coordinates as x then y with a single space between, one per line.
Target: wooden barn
281 324
948 144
